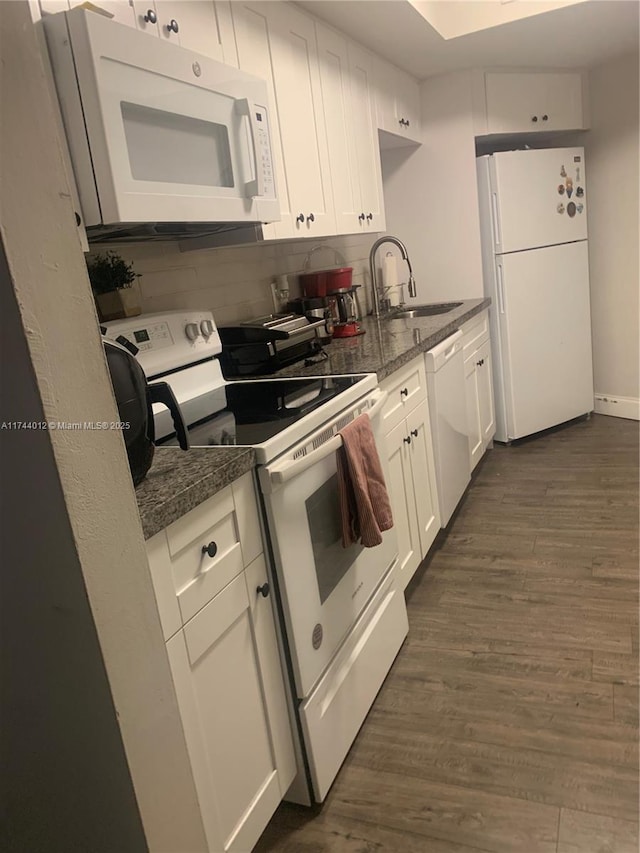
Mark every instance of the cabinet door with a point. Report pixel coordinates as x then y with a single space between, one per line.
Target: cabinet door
476 444
367 149
423 471
403 503
520 103
225 709
341 130
299 102
486 407
197 24
122 10
408 105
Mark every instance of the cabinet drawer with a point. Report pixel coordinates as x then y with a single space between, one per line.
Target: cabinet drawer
406 389
474 333
198 555
198 573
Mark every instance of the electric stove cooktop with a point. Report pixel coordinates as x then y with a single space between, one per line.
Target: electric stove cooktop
257 410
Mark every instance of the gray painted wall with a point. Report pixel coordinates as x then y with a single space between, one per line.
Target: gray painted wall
67 783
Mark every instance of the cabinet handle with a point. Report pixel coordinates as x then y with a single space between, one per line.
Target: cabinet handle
150 17
172 26
407 439
407 122
211 549
78 219
361 217
534 118
369 216
300 217
311 218
545 118
263 590
414 433
404 392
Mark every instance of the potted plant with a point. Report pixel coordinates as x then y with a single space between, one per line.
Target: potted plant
112 280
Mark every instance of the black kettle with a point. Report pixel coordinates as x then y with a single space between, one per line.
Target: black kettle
134 396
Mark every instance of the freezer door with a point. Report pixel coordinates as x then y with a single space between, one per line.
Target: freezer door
545 331
538 198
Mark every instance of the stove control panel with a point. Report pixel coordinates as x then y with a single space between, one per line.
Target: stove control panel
169 340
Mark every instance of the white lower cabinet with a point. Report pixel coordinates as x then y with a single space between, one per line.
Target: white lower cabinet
226 666
478 386
412 483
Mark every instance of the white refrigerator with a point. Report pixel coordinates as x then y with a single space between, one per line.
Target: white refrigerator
533 215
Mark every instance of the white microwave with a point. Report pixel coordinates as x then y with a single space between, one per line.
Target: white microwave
164 142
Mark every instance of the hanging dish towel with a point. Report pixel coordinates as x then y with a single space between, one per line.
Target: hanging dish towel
364 502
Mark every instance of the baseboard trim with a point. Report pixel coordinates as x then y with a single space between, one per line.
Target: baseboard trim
617 407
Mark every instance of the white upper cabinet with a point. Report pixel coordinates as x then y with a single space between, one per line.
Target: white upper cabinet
278 43
397 103
519 102
203 26
345 73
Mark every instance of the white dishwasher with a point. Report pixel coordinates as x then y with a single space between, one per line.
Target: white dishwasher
447 402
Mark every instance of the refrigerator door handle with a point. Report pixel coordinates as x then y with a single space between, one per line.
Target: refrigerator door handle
500 289
497 238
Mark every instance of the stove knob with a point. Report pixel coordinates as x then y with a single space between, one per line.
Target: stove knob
192 331
206 327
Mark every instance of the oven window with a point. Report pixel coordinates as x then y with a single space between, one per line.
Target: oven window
167 147
332 561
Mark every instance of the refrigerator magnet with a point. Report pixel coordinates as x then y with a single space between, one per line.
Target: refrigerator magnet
579 192
571 209
560 208
580 207
577 173
560 189
563 172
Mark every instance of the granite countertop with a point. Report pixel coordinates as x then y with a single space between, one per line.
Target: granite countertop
178 481
386 344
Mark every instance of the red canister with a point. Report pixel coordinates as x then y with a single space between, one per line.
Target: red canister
339 279
323 282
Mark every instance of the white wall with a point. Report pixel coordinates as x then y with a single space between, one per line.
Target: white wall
234 282
431 196
612 174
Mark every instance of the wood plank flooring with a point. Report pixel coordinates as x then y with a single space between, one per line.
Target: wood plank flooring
509 721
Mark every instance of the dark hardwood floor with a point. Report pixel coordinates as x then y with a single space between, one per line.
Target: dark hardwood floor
509 721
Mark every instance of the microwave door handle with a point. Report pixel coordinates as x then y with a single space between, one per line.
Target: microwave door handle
256 187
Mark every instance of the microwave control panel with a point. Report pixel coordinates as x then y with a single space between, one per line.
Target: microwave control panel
264 152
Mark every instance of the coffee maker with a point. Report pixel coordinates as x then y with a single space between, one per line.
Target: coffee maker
346 312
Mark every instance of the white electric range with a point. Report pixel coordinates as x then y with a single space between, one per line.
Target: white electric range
342 610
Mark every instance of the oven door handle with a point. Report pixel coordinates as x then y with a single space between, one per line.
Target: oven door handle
287 470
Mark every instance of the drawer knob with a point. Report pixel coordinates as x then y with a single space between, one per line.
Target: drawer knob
211 549
369 216
172 26
414 433
263 590
545 118
300 217
407 439
404 392
150 17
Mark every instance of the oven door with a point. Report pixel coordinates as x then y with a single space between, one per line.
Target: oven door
172 136
323 586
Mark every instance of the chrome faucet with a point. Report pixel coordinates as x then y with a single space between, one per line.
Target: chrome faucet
372 267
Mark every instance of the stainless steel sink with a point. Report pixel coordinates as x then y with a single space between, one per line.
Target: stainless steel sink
424 311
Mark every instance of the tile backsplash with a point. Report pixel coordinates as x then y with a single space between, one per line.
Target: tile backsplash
234 282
